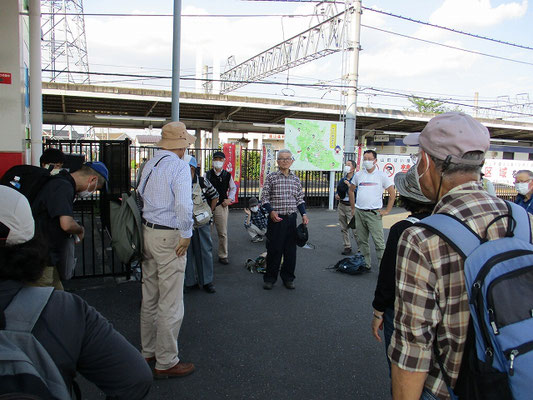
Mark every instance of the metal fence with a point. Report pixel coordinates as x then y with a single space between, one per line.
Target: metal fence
95 255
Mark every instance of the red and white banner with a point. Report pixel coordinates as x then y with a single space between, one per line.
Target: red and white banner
504 171
232 164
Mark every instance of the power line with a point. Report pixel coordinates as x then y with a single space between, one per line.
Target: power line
184 15
448 29
448 46
309 86
455 103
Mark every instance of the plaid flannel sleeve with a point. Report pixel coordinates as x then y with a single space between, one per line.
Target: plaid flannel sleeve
416 310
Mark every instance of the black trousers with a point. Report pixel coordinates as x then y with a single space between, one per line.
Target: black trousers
281 241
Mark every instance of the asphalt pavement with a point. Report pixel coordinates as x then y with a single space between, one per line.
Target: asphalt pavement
313 342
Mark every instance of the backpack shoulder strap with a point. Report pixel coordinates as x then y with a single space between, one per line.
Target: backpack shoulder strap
522 224
26 307
453 231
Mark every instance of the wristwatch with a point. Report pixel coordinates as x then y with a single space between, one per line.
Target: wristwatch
376 316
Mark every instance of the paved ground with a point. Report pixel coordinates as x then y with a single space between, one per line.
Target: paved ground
248 343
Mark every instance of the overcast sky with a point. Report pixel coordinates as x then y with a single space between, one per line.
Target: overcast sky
388 62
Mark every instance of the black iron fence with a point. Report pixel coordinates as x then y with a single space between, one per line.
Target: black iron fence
95 255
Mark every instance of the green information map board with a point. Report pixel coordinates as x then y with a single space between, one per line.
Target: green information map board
315 145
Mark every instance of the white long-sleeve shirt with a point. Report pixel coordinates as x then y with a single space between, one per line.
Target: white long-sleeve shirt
166 192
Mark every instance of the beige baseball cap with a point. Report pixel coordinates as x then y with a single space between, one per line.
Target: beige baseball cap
16 221
451 134
175 136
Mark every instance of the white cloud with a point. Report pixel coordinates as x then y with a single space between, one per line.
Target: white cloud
476 13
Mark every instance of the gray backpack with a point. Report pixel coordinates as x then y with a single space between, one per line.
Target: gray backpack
25 365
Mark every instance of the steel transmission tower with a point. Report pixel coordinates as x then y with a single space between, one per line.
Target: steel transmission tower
64 44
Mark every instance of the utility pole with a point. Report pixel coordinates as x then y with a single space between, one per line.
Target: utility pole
176 48
351 106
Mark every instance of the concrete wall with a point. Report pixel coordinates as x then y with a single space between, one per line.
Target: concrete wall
14 60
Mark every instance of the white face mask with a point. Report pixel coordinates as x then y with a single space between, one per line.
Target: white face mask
86 192
368 164
254 209
347 169
218 164
522 187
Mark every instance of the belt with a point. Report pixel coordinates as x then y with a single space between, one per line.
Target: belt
374 210
286 215
346 203
156 226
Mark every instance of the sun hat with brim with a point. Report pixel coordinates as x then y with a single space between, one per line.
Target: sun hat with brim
175 136
406 184
16 221
451 135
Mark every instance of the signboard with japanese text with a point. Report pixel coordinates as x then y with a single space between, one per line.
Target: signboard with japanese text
504 171
232 164
392 164
5 78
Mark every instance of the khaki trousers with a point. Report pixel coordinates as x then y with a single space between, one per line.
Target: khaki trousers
220 219
254 231
369 222
50 277
345 215
162 289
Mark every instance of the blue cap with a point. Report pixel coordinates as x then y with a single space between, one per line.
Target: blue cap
192 162
99 167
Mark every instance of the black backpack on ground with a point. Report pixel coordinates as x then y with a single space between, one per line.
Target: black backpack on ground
353 265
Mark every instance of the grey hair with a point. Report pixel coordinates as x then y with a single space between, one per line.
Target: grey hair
525 171
285 151
462 168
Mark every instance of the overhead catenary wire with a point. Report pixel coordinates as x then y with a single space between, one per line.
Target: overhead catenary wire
306 85
448 29
449 46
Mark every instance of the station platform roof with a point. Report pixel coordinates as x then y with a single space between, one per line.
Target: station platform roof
119 107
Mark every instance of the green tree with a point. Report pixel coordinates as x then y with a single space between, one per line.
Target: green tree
430 106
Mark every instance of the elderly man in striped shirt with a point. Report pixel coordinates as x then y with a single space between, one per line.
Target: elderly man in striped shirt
282 196
165 188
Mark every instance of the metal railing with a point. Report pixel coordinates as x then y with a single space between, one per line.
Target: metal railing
95 255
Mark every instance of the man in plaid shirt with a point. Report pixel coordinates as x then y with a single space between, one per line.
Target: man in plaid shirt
431 298
282 196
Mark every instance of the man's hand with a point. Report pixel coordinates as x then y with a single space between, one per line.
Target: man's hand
305 220
377 325
384 212
82 234
337 197
226 203
183 245
274 217
247 211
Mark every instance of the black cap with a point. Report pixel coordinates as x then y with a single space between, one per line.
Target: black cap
253 202
219 154
302 234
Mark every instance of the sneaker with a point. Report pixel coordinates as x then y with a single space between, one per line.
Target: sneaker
346 251
268 285
177 371
257 239
224 261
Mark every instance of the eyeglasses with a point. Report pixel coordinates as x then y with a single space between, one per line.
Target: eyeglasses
284 159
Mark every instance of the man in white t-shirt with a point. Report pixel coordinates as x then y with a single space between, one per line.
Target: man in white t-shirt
370 183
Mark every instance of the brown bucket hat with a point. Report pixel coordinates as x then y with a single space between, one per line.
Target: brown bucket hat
175 136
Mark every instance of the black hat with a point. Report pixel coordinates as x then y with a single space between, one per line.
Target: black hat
219 154
253 202
302 234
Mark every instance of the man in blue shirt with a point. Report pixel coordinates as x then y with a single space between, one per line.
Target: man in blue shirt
524 186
